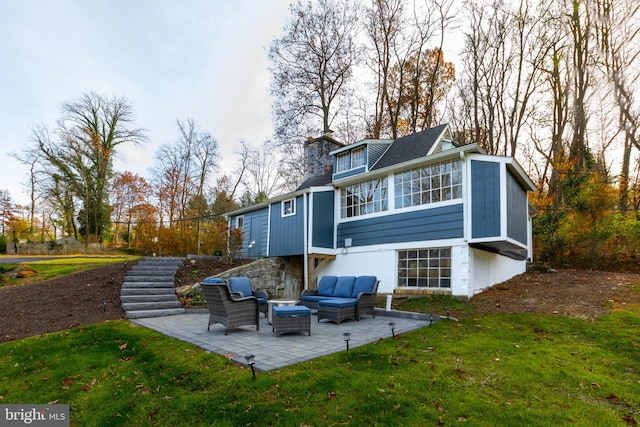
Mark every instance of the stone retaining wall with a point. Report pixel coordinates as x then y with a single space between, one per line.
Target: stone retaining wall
280 277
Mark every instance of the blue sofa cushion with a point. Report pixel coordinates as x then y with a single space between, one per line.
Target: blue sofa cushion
291 310
338 302
314 298
327 285
213 281
241 285
363 284
262 300
344 286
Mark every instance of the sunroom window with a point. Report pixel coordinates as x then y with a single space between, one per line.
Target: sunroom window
428 184
364 198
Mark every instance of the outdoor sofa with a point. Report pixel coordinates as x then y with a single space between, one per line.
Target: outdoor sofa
339 298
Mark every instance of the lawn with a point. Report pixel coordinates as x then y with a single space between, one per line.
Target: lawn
486 370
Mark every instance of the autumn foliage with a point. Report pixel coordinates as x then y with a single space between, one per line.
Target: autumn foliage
589 231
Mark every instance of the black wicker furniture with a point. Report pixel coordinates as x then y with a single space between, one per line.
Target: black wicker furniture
228 311
290 318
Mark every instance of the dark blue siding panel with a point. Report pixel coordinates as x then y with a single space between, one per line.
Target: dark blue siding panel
257 232
516 210
254 229
287 233
322 219
485 199
375 151
428 224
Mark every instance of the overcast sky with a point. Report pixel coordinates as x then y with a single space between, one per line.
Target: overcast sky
200 59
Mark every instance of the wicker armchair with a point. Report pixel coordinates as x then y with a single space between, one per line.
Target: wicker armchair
242 287
231 312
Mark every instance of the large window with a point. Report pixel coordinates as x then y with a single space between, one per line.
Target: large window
428 184
364 198
425 268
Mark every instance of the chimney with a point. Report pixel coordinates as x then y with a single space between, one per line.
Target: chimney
317 159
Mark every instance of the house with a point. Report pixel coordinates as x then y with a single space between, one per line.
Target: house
418 212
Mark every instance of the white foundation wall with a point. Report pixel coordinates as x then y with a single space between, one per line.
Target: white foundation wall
472 270
488 269
381 261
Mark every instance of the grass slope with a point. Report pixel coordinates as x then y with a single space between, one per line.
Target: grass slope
499 369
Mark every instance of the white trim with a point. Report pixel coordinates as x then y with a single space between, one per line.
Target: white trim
305 242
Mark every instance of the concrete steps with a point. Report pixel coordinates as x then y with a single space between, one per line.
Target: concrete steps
148 289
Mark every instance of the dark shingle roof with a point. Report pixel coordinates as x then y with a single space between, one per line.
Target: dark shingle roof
315 181
409 147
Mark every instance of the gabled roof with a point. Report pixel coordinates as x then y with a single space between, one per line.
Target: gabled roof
317 181
410 147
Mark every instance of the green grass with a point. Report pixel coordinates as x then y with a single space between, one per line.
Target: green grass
499 369
50 269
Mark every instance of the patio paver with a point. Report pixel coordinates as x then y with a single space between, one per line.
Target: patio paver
271 351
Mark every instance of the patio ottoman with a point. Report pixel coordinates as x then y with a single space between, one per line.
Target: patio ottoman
291 318
337 309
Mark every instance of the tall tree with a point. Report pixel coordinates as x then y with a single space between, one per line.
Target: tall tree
312 64
411 76
617 35
31 157
262 177
128 191
88 134
183 168
505 46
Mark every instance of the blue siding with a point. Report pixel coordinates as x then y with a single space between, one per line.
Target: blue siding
254 229
485 199
350 172
323 219
257 233
287 233
375 151
516 210
429 224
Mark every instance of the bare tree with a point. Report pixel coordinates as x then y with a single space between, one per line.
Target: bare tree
183 169
31 156
311 64
262 176
505 47
617 32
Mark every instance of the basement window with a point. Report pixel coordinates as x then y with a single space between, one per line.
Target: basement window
425 268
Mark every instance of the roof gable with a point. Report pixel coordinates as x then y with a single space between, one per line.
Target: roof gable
415 146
